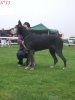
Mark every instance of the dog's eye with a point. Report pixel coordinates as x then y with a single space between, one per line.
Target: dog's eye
15 26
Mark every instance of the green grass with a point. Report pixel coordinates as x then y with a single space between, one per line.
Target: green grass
43 83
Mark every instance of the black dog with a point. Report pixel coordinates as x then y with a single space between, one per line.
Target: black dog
35 43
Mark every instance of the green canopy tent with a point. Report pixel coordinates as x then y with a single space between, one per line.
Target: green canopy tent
41 29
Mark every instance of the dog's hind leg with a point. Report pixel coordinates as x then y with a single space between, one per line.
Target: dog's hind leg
32 59
52 52
59 53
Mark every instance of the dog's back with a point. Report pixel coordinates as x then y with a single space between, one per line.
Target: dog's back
42 42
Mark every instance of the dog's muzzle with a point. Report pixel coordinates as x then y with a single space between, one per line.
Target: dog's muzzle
14 31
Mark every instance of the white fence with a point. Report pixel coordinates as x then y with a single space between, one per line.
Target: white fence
9 39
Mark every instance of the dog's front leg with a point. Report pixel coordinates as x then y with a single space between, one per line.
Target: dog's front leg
29 60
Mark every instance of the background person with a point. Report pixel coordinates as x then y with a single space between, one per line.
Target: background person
3 40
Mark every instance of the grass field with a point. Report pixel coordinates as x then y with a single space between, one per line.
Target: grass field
43 83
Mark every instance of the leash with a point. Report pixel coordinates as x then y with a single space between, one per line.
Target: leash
26 36
24 44
25 47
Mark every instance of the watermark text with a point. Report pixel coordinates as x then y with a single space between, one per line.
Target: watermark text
4 2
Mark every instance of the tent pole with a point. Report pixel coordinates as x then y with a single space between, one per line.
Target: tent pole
48 32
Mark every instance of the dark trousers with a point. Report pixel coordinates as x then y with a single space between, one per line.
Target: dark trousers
20 55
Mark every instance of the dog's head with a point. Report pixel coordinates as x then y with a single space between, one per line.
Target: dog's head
17 29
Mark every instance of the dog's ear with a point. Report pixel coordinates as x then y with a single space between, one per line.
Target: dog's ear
19 23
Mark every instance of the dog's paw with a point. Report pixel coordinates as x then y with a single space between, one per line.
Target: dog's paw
31 68
27 67
51 66
64 68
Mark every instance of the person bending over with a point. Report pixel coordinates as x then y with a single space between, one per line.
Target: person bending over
22 52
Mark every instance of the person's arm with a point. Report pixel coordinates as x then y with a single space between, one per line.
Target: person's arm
6 33
1 34
20 41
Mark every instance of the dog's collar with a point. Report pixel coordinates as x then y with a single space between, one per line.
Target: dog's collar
26 36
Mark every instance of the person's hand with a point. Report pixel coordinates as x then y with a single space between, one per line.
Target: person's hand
23 43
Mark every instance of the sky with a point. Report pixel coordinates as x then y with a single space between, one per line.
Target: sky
54 14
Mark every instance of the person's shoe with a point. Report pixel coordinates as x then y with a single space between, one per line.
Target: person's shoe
20 63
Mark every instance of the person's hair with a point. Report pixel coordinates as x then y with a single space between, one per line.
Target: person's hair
26 23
